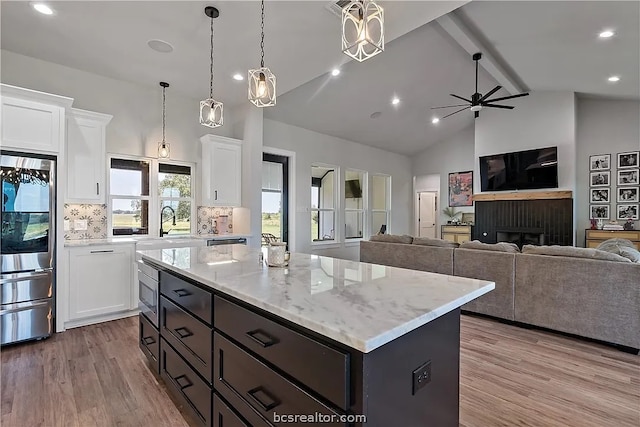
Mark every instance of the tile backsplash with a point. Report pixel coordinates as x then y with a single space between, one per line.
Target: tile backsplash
209 220
95 217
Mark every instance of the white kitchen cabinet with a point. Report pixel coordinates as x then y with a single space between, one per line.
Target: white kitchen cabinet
32 121
100 281
86 156
221 171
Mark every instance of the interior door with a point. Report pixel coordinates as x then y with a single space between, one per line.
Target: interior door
427 214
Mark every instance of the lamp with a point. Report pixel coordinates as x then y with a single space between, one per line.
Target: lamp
163 147
210 109
262 82
362 29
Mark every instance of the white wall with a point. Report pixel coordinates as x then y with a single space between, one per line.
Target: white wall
431 168
603 127
312 147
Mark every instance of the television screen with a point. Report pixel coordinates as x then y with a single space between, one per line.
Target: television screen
352 189
520 170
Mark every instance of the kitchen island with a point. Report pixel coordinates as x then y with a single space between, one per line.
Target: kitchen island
323 340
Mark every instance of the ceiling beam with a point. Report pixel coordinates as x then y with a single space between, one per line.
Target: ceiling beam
461 33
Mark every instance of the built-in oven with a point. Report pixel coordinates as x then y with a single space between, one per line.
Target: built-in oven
149 292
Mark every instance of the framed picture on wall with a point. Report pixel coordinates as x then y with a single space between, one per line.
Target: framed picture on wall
461 188
600 195
627 211
628 177
628 194
599 211
600 179
600 162
628 159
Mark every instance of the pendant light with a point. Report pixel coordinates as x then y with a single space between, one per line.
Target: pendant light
362 29
262 82
163 147
210 109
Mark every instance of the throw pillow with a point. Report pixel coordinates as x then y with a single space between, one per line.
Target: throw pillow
622 247
427 241
573 252
392 238
498 247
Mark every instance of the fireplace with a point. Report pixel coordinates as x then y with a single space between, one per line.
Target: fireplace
521 237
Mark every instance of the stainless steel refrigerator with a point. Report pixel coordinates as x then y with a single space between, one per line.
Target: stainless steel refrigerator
28 246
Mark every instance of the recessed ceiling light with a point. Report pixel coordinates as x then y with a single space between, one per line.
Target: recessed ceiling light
375 115
395 101
606 34
238 76
160 46
435 120
614 79
335 72
43 8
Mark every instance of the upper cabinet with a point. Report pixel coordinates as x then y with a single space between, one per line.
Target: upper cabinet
33 121
221 171
86 156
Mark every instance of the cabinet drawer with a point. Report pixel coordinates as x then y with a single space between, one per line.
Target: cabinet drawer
192 298
456 229
188 335
185 385
224 416
150 342
604 235
242 378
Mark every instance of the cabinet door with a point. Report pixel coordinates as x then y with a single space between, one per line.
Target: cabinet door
86 157
100 280
221 171
30 125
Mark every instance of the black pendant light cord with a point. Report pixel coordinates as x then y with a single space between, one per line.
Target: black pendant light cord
211 68
163 111
262 38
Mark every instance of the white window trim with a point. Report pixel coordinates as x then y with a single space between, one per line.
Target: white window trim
336 209
365 205
387 203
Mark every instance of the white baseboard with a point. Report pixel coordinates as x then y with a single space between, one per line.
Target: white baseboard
99 319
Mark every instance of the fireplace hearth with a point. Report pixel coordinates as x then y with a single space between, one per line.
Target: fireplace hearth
521 237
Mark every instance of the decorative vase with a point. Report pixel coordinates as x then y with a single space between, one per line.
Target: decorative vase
600 224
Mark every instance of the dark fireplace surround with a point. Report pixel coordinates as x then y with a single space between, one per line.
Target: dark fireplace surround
525 222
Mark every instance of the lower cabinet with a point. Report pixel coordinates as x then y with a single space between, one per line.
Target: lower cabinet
224 416
149 342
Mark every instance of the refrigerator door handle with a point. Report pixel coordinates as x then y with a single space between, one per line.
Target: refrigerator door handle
15 308
39 275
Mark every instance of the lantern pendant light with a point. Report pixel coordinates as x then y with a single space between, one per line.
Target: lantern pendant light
163 147
262 82
210 109
362 29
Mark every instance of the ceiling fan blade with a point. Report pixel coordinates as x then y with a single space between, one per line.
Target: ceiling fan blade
476 114
462 109
459 97
450 106
506 107
508 97
491 92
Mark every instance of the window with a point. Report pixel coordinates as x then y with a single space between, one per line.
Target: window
323 203
354 204
174 190
380 203
129 196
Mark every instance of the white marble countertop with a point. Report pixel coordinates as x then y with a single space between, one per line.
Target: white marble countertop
363 306
147 238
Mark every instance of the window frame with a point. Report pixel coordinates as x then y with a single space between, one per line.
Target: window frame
387 209
337 236
363 210
191 199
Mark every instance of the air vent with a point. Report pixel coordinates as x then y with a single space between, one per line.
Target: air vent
335 7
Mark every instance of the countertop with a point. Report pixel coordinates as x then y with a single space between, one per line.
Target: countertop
361 305
146 238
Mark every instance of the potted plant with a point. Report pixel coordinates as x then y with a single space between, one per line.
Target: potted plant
452 214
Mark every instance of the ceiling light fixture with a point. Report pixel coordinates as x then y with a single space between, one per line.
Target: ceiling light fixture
262 82
395 101
43 8
210 109
614 79
435 120
160 46
163 147
335 72
238 76
606 34
362 29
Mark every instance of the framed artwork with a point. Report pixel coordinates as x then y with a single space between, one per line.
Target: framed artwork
627 211
461 188
600 195
628 177
628 194
599 211
600 162
600 179
628 159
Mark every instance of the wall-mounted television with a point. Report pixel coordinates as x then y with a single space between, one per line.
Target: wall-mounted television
521 170
352 189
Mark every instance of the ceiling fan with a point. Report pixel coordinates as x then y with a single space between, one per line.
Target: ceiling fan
479 101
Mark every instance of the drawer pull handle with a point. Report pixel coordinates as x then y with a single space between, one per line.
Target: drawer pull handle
185 380
183 332
255 394
181 292
256 333
148 340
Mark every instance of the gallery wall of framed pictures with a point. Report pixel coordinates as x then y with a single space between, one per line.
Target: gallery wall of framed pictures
624 196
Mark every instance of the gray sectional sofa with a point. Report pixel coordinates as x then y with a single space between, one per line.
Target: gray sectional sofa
593 298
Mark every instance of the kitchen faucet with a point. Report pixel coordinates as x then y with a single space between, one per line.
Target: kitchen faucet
162 232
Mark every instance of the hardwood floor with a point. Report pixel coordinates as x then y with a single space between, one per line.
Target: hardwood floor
96 376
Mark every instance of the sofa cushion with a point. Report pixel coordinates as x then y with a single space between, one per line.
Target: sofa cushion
622 247
573 252
391 238
497 247
427 241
